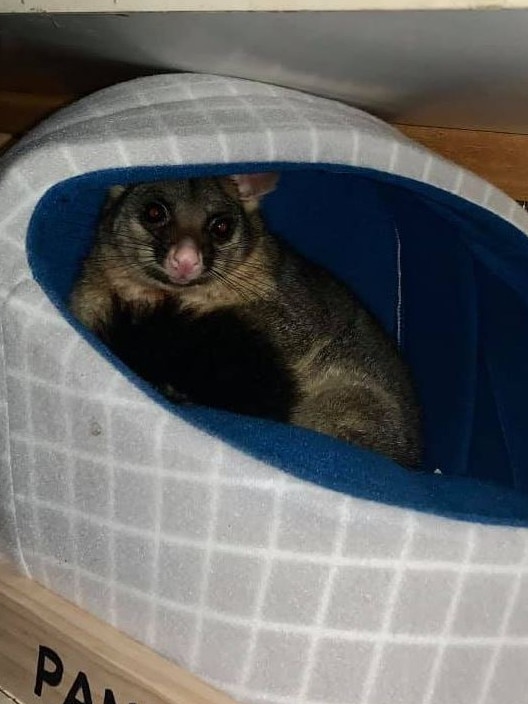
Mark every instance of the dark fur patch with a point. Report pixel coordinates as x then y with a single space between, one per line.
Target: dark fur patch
215 360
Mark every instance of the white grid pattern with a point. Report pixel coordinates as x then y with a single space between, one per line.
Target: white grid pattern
206 563
24 332
296 128
450 617
68 439
257 621
232 89
8 502
110 464
497 641
377 655
318 626
150 638
326 560
506 619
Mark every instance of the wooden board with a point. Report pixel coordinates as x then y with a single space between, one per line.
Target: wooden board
498 157
21 111
5 698
5 139
52 652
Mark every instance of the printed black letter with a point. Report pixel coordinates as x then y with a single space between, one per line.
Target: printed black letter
51 677
80 684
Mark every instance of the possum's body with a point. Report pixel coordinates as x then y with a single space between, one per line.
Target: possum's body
242 323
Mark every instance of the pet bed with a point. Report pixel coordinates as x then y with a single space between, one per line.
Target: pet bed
278 564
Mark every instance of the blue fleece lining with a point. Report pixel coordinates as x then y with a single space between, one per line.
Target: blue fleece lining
447 278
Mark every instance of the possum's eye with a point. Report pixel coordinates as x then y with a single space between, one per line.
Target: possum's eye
221 227
156 213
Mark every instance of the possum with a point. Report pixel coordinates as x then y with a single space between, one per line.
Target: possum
186 286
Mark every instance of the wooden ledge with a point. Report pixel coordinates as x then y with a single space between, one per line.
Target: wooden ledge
6 698
52 652
499 157
5 139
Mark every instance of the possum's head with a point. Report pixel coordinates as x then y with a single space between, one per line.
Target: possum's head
185 232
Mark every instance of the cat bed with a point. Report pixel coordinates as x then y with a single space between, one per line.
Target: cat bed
279 564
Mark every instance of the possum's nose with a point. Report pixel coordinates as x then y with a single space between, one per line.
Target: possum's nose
184 262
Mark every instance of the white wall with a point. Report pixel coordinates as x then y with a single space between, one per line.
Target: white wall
249 5
456 68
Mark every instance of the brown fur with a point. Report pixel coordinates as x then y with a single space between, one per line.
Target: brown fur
351 381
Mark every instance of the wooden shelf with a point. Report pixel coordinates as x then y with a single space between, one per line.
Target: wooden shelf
21 111
6 698
4 141
83 657
500 158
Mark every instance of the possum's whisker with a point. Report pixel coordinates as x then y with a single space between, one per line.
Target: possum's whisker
253 290
248 277
241 257
233 244
257 288
253 268
230 284
219 278
127 267
130 248
124 239
112 253
247 288
119 260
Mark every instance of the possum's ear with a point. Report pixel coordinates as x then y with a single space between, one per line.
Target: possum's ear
114 192
112 196
107 209
251 187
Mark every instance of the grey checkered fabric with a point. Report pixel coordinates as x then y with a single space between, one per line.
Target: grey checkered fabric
272 589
